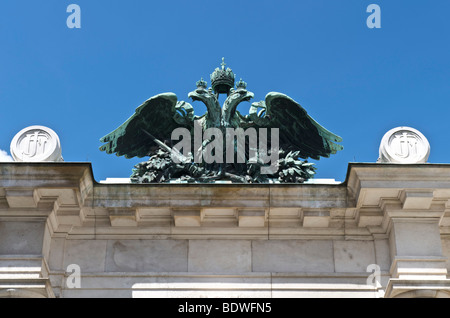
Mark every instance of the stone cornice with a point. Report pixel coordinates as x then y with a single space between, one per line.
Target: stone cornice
68 195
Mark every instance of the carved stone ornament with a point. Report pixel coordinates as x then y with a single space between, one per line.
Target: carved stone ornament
36 144
404 145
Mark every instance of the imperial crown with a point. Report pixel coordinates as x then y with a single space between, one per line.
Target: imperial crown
222 80
202 83
241 84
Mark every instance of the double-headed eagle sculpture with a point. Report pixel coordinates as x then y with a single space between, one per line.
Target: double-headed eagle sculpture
149 132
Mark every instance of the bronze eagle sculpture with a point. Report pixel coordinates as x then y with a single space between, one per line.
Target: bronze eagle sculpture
149 132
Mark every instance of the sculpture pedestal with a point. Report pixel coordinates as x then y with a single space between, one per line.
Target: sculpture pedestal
225 240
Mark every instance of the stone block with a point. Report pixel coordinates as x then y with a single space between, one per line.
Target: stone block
417 238
88 254
21 237
353 256
220 256
382 253
56 255
187 218
147 256
316 218
416 200
22 198
292 256
252 218
446 252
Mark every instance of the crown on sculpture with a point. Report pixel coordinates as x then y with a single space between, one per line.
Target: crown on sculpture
202 83
241 84
222 80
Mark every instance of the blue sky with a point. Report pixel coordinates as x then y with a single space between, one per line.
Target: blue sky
355 81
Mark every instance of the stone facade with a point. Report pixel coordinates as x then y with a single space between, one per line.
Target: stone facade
383 232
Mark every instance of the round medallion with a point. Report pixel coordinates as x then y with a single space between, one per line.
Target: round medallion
36 144
404 145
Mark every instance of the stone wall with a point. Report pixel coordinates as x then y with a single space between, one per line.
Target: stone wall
386 221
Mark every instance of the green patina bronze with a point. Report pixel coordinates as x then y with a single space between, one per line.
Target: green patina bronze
148 133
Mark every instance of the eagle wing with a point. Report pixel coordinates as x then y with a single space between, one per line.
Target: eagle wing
297 130
158 116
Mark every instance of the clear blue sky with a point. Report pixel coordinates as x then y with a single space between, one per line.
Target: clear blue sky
355 81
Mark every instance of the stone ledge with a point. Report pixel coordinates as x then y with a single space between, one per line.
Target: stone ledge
26 288
429 288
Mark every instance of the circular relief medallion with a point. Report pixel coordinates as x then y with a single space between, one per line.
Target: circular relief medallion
35 144
404 145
